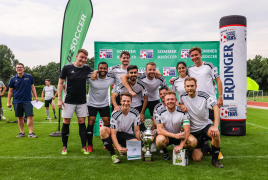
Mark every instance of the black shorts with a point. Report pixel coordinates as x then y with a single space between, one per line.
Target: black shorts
211 114
139 108
0 101
202 135
104 111
117 102
174 141
26 107
151 105
122 137
47 102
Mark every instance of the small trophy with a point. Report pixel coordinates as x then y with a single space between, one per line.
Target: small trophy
148 137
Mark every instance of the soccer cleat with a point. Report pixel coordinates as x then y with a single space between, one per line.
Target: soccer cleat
55 117
21 135
165 156
3 117
32 135
64 151
153 147
115 159
220 156
216 163
47 118
84 150
89 148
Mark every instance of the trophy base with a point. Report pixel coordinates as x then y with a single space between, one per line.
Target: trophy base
148 159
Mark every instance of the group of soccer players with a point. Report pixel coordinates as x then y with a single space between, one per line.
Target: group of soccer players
186 123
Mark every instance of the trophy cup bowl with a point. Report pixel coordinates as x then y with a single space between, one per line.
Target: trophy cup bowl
148 137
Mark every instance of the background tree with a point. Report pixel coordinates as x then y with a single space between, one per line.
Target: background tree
7 64
90 62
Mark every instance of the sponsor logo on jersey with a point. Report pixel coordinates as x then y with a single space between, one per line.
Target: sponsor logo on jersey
146 54
106 53
26 78
229 111
169 71
72 71
185 53
227 35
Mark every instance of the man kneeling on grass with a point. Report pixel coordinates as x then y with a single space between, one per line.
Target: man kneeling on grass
121 127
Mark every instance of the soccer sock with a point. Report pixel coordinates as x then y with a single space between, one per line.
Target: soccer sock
142 127
65 134
47 112
83 134
1 112
109 145
54 112
215 152
165 150
90 134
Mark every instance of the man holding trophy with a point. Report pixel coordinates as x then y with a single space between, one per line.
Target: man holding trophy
169 122
121 127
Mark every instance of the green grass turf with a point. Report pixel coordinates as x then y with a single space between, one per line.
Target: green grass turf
259 99
245 157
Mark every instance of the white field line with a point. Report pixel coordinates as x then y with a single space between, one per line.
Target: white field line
257 125
257 107
104 157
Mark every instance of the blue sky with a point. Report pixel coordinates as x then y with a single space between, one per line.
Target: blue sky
32 28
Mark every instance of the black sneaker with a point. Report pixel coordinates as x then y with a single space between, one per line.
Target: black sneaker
165 156
21 135
216 163
32 135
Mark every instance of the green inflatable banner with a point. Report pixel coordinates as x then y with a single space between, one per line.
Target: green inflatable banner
77 17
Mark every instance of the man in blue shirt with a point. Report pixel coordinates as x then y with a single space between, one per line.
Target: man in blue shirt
21 87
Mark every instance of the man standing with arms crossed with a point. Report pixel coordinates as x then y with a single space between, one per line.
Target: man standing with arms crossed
21 87
198 103
74 75
48 91
2 92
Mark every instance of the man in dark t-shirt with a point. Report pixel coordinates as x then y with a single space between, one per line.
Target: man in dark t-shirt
74 101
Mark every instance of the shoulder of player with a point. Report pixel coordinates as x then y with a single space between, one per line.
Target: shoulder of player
209 64
191 66
134 111
110 75
115 67
120 86
162 110
203 94
158 105
115 114
162 78
142 84
184 94
178 109
142 76
176 78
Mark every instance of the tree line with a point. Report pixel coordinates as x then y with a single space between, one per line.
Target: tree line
257 69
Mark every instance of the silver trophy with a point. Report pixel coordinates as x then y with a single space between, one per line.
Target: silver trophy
148 137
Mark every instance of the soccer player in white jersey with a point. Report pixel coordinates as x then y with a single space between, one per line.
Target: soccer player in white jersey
178 82
2 92
198 103
75 77
138 87
161 104
98 101
48 91
121 127
169 121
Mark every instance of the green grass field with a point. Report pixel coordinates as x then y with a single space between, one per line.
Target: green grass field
258 99
245 157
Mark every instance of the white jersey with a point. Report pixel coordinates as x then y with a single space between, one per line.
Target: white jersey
98 90
117 71
205 74
198 109
172 120
178 85
138 88
123 123
156 108
152 86
49 92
